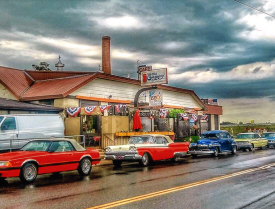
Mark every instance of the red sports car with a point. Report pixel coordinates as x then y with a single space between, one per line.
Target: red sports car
47 156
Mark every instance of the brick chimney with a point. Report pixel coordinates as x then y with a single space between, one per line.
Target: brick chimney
106 60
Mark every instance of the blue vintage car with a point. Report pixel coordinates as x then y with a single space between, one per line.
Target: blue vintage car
270 136
213 143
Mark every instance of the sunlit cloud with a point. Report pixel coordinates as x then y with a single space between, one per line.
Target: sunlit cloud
173 45
262 24
124 22
196 76
22 49
72 46
89 62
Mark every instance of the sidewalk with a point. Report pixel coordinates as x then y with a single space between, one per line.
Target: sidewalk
101 153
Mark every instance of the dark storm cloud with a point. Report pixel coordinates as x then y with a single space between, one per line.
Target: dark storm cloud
206 29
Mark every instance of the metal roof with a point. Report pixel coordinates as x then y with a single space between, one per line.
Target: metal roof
45 75
7 104
16 81
55 88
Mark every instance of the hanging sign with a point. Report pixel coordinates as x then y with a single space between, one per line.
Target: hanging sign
143 68
155 97
154 77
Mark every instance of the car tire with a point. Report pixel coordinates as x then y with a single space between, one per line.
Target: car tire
146 159
28 173
85 167
251 148
117 163
234 150
2 179
175 159
216 153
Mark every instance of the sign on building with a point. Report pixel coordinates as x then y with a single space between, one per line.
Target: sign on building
143 68
154 77
155 97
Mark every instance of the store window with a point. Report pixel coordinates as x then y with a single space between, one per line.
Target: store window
90 124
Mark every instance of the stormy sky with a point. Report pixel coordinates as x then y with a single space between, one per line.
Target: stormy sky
220 49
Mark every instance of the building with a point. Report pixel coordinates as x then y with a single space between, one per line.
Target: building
99 104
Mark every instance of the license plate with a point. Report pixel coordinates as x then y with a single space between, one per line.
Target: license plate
119 157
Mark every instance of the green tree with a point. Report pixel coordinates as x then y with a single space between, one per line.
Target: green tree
43 66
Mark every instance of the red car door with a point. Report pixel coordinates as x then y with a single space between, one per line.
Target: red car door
59 158
162 151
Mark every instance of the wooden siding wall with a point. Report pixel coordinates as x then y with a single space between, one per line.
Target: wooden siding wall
124 91
104 88
4 93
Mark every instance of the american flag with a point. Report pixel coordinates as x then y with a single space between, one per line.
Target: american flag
88 110
73 111
194 117
104 107
204 117
184 116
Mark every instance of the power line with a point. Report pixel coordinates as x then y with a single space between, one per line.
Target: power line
254 8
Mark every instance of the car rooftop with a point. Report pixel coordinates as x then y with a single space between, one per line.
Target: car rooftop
214 132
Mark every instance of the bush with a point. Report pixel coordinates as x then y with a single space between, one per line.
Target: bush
194 139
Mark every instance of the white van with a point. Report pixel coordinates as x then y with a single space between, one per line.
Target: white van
17 130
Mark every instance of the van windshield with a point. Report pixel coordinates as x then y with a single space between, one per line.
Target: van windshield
1 118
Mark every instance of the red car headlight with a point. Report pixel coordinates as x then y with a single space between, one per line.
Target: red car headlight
5 163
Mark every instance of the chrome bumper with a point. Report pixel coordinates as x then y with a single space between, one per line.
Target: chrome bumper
133 157
201 152
180 154
244 146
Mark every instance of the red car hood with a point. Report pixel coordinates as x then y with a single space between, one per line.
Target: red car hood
20 154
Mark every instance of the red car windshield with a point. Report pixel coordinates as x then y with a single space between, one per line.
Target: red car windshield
36 146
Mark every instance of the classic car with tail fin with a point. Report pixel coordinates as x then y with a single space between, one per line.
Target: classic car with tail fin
146 149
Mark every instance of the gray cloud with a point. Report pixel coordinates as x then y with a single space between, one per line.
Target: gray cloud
185 35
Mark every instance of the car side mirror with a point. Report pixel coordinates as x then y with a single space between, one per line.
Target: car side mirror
4 127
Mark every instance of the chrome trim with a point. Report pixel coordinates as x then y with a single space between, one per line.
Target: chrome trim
87 155
29 160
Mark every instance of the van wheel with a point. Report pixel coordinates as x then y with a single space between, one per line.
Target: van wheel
28 173
85 167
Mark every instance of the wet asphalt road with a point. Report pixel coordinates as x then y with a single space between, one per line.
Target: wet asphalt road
254 188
